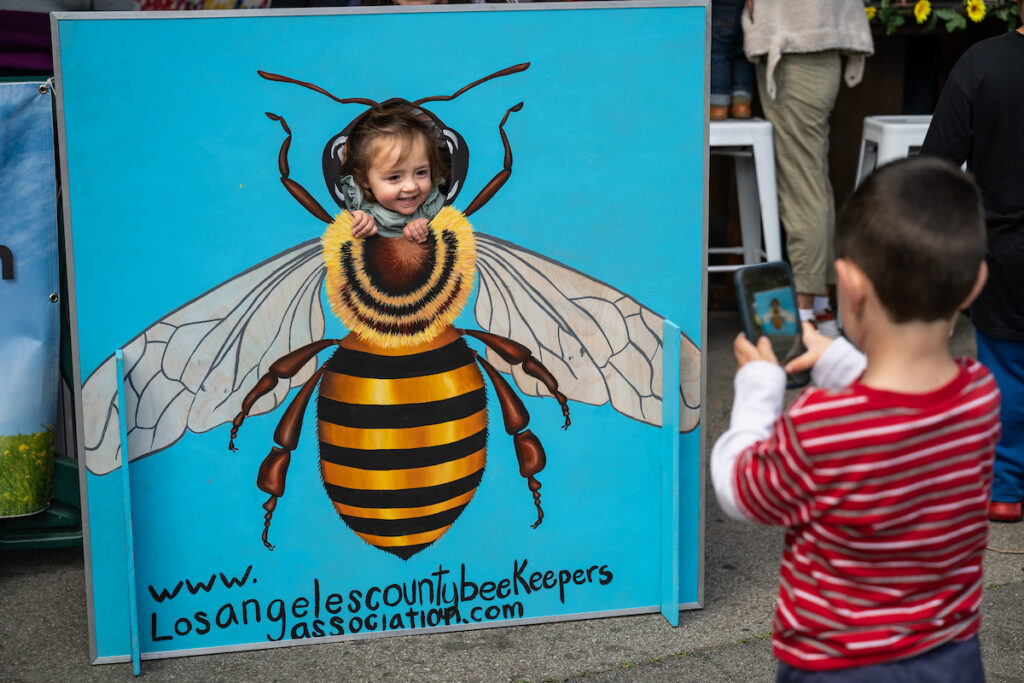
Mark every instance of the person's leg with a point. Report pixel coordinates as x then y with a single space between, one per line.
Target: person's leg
806 90
743 79
722 46
1005 360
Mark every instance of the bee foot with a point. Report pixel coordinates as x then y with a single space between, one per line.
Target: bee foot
536 501
269 506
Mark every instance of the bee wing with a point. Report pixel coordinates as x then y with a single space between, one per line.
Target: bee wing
191 369
599 343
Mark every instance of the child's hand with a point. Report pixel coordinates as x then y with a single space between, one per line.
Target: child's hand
748 353
416 231
816 343
363 224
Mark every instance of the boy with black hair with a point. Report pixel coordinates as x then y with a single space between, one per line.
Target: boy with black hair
978 120
882 472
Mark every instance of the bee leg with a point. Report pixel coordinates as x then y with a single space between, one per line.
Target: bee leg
283 368
502 176
274 468
514 353
529 451
298 191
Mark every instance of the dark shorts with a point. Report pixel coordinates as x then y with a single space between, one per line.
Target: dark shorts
952 662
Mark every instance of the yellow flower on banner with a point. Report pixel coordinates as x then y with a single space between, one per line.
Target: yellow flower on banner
921 10
871 12
975 10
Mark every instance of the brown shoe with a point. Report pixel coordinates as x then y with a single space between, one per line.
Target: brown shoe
1004 512
719 112
740 109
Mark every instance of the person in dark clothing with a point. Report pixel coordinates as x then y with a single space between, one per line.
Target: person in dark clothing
980 120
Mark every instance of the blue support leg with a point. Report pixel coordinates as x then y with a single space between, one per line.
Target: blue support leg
126 501
670 472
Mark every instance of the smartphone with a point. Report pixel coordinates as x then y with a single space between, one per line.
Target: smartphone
767 302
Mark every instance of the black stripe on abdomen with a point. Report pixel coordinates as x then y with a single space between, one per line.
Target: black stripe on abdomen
402 458
401 415
402 527
359 364
403 498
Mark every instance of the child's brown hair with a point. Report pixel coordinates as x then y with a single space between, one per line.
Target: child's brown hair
916 227
389 122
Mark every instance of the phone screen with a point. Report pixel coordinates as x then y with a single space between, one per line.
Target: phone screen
768 300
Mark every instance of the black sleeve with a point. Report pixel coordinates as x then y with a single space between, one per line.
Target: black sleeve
951 132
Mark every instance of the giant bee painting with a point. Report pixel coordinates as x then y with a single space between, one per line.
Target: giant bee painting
402 421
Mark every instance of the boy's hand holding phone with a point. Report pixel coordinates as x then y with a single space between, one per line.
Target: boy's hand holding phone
747 353
815 343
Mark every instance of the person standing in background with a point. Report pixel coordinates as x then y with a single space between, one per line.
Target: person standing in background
797 48
732 76
980 120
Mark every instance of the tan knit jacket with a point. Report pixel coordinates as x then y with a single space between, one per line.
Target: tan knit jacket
803 26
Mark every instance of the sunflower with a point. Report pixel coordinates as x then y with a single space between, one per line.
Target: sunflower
921 10
871 12
975 10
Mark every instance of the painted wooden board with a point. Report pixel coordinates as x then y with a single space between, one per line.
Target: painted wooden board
191 256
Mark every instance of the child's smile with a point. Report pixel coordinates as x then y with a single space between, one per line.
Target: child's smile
398 183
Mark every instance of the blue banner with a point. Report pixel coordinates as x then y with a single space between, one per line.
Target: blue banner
29 334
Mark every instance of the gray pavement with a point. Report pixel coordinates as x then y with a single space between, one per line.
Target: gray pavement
43 632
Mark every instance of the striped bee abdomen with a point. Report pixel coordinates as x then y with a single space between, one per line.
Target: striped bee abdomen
402 440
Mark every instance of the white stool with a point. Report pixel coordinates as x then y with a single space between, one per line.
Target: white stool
888 138
749 142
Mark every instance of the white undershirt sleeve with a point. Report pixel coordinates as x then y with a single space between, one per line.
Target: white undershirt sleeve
760 387
839 366
759 391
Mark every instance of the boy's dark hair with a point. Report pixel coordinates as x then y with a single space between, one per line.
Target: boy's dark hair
916 227
396 122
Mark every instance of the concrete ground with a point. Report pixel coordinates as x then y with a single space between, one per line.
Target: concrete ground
43 632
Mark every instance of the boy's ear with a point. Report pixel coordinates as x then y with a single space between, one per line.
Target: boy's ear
854 283
979 284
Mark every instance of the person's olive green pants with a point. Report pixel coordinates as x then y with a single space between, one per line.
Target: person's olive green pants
806 89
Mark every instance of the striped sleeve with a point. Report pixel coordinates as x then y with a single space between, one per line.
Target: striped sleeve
773 479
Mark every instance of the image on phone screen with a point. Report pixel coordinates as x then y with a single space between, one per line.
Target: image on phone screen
768 308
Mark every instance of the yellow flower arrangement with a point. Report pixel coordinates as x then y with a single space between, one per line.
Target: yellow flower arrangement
922 9
953 15
975 10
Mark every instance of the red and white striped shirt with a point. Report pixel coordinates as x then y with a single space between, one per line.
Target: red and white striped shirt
885 495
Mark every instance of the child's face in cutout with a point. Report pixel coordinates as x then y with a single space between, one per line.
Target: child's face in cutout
398 183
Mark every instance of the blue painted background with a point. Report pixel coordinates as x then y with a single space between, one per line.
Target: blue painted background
174 188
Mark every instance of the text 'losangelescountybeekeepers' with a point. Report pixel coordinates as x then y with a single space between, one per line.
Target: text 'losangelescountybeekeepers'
444 598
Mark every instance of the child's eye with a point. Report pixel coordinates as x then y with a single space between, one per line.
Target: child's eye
423 173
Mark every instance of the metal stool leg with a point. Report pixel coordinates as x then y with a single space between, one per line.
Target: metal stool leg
749 209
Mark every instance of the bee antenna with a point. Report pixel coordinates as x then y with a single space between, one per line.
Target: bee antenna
497 74
317 88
